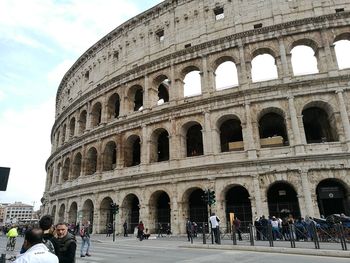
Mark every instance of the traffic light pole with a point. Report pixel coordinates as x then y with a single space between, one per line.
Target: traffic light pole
113 227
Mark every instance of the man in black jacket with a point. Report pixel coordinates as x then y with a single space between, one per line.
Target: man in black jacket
46 224
65 244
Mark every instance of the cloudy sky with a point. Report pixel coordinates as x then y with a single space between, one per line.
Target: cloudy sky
39 41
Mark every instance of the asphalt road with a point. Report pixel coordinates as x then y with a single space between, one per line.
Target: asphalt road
164 250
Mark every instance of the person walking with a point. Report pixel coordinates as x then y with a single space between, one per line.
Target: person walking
140 229
237 224
85 237
36 251
125 227
189 230
214 221
65 244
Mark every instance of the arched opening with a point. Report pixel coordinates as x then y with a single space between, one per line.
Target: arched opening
264 68
131 211
64 129
106 217
76 169
272 130
231 137
304 61
342 51
61 213
53 213
110 156
91 161
58 175
226 75
51 179
317 126
163 92
194 140
238 202
332 198
192 84
58 139
72 214
198 210
65 170
138 100
82 122
160 211
96 115
88 214
282 200
132 153
113 106
71 127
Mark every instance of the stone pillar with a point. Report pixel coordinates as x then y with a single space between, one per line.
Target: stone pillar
309 209
329 59
258 202
299 148
284 60
206 80
249 144
88 117
173 141
243 74
344 117
96 224
175 216
207 142
104 111
144 145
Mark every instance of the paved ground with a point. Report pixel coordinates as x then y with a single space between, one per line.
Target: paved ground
178 249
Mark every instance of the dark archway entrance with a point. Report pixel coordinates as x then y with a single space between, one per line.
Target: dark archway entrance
106 217
163 209
282 200
198 211
131 211
332 198
238 202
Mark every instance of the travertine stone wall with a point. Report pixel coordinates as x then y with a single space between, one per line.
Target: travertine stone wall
134 54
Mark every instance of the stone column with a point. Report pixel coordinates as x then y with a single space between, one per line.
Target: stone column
344 117
309 209
299 148
104 111
258 202
249 144
206 80
144 145
175 216
243 74
284 60
207 142
88 117
329 59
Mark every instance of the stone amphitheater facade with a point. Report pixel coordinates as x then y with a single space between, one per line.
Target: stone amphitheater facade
268 147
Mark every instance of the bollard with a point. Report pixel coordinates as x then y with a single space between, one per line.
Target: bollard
251 235
219 236
342 237
291 236
269 235
315 236
3 258
212 235
234 238
203 231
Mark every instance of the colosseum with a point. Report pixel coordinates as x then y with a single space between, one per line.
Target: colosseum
171 103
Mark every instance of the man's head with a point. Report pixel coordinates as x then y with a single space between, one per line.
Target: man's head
46 222
62 230
32 237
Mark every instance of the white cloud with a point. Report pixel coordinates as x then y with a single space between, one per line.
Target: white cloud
55 75
25 147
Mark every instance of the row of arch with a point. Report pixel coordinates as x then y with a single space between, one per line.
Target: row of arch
332 197
318 122
224 73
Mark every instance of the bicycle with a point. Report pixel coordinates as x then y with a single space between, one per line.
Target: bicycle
11 242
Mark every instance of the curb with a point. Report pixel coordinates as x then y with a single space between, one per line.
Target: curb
294 251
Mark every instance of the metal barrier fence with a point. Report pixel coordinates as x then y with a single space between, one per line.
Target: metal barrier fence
292 235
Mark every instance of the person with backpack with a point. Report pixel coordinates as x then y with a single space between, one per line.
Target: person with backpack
85 237
65 244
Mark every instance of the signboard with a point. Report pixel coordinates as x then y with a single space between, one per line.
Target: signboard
4 177
330 192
